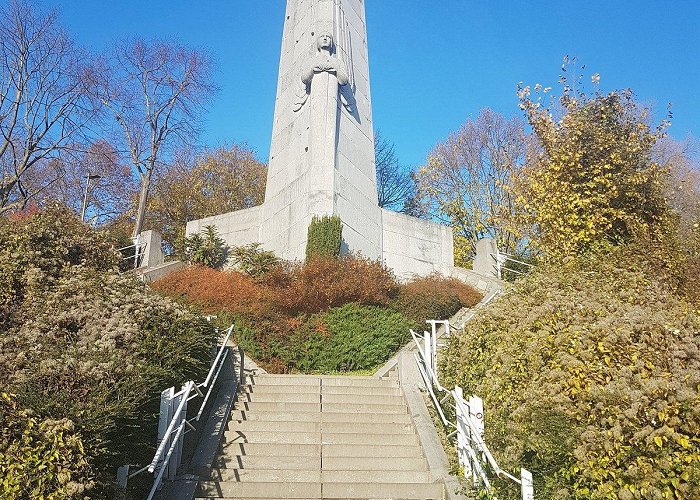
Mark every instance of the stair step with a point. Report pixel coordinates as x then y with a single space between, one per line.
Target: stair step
325 476
261 425
349 490
280 406
272 449
282 397
318 438
288 380
365 399
360 382
370 439
235 436
312 463
239 415
325 390
352 389
364 408
231 489
267 462
372 451
279 416
324 427
274 475
277 389
374 476
375 463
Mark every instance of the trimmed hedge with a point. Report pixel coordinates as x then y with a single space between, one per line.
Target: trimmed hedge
348 338
434 297
293 317
325 236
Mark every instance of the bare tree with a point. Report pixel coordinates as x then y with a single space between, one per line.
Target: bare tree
464 181
155 92
395 186
682 158
111 188
44 105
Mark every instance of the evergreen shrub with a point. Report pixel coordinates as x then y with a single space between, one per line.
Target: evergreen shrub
207 249
347 338
40 458
324 237
590 375
253 260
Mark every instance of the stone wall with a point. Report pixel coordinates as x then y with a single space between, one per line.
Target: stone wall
415 246
235 228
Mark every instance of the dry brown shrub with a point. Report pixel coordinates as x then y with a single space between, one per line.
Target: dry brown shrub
434 297
326 282
214 291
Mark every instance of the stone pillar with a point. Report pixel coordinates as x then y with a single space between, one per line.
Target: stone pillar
153 253
485 261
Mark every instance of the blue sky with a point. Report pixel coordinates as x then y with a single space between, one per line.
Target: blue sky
433 63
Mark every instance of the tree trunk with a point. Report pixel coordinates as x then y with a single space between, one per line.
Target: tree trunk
143 200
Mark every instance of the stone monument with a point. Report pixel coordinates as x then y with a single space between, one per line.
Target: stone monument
322 152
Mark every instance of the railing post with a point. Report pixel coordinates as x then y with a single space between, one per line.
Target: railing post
433 360
476 413
476 416
166 414
527 487
122 477
462 434
174 462
427 351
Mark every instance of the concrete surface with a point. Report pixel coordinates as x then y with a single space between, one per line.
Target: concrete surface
338 443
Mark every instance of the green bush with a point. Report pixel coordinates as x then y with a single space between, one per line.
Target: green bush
49 242
253 260
324 237
40 458
590 375
207 249
347 338
85 343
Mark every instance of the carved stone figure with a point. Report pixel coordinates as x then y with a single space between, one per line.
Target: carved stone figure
325 61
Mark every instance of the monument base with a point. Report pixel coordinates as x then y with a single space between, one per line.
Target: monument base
411 246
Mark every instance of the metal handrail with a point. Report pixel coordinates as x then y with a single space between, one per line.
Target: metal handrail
137 256
474 433
178 424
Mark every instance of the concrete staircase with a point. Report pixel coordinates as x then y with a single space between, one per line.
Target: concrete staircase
320 437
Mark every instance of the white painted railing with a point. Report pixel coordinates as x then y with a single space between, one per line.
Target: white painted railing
138 250
474 456
501 259
174 424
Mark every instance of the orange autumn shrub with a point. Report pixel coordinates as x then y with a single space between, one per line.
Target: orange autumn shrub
326 282
434 297
214 291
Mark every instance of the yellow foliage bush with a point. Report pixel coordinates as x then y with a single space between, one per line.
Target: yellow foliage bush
590 374
591 179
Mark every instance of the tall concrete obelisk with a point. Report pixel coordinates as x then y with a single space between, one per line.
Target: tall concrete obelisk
322 152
